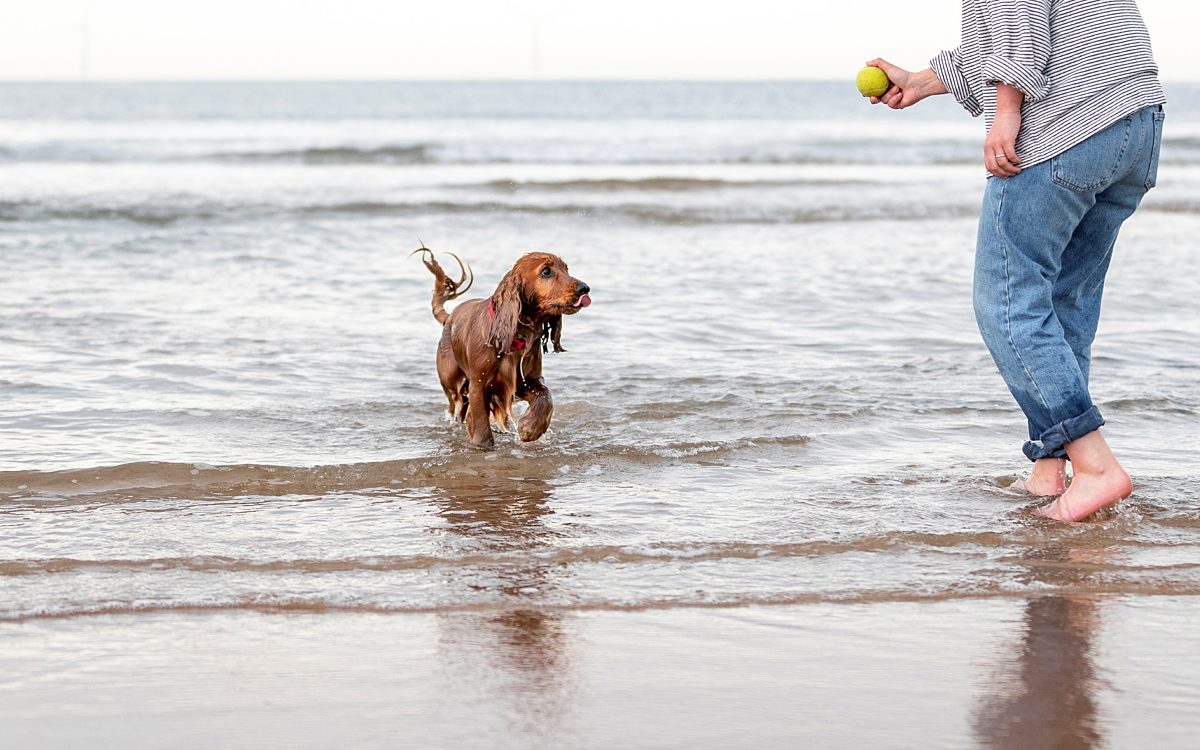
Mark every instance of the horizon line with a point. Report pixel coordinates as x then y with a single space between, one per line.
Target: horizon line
540 79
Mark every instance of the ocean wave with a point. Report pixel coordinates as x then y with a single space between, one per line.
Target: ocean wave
398 154
608 554
1173 206
825 151
556 149
657 184
148 215
319 605
972 543
1154 405
639 213
199 479
452 473
647 213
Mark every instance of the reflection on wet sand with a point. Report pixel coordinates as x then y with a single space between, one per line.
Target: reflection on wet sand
523 654
1047 696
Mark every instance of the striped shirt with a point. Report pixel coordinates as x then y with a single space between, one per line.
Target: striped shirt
1082 65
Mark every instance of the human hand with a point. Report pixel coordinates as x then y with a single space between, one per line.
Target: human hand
907 87
1000 146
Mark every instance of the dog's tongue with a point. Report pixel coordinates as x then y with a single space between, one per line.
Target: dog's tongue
583 301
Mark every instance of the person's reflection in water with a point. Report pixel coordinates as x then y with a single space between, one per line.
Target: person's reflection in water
516 661
1048 700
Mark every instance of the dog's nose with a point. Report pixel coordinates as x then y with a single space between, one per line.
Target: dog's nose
581 289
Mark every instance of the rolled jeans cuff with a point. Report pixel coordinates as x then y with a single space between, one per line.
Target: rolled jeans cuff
1050 443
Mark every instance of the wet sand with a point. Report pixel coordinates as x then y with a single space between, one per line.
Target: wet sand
1005 672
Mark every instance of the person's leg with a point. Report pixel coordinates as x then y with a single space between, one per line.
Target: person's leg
1026 223
1099 479
1079 288
1077 294
1045 241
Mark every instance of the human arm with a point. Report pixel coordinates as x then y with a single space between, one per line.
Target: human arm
907 87
1000 146
947 66
1019 31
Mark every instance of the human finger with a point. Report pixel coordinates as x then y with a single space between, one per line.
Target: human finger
1002 167
989 161
1000 154
890 70
1014 161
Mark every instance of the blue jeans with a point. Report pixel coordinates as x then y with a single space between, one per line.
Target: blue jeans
1045 240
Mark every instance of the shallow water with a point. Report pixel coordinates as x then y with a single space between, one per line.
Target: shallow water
218 391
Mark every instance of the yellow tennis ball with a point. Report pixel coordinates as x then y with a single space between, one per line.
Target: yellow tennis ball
872 81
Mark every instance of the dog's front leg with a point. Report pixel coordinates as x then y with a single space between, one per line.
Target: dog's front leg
541 407
478 428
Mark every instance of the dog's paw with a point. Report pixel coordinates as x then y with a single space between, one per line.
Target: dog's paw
529 432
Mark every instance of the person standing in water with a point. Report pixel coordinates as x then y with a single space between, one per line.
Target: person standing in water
1070 93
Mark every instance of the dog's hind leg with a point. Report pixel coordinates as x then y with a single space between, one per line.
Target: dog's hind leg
454 383
461 414
456 397
500 396
501 418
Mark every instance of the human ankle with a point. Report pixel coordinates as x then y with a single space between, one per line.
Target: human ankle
1090 454
1048 468
1047 478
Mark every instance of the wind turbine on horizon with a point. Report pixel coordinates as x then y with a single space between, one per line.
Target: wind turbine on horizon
534 13
85 40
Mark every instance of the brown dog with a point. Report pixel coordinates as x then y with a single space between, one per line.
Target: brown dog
491 349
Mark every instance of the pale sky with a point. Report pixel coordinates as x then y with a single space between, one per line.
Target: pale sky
497 39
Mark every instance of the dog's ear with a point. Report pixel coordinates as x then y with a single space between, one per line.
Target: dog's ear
553 333
505 309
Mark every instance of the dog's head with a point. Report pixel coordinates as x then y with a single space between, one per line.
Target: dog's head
538 290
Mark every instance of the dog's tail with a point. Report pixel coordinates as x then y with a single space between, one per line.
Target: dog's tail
444 288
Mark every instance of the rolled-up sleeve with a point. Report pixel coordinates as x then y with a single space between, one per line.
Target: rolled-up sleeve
947 66
1019 32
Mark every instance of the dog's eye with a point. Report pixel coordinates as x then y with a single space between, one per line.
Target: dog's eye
547 272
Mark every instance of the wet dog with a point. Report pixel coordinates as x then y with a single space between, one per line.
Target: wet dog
491 349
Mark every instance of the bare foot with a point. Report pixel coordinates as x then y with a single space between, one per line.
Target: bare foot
1048 478
1088 494
1099 481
